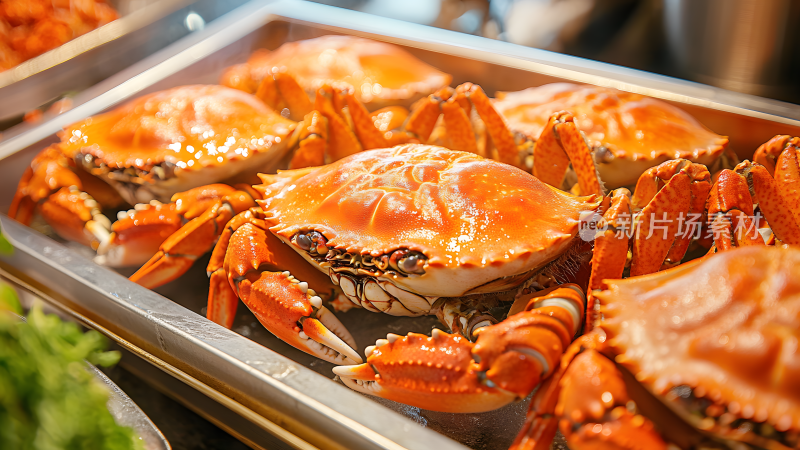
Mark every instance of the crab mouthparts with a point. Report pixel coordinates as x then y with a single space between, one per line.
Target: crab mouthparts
381 296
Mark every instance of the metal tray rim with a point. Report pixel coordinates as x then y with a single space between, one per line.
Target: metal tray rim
171 325
93 39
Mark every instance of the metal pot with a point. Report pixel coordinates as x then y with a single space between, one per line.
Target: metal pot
749 46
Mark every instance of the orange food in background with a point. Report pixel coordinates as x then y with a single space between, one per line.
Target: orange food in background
29 28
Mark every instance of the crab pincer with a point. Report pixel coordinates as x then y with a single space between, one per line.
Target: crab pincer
446 372
253 261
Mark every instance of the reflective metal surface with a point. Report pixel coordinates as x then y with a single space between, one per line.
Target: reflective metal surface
145 26
736 44
126 413
265 381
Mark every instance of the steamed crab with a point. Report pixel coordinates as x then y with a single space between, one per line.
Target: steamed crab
412 230
141 154
701 356
382 75
627 133
416 230
148 150
359 93
759 195
483 232
568 135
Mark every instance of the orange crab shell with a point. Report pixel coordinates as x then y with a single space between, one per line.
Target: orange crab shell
382 74
638 132
475 219
727 326
208 133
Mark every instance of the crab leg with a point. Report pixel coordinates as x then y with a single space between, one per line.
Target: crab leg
255 264
559 145
280 91
787 175
730 209
604 404
138 233
327 132
455 107
363 123
312 140
588 400
768 153
446 372
460 135
72 213
342 140
180 250
610 246
773 182
657 243
502 137
389 121
335 125
425 113
772 202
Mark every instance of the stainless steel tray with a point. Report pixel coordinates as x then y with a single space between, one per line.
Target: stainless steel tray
144 27
286 392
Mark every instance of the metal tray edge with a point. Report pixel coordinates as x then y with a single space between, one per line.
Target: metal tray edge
167 331
93 39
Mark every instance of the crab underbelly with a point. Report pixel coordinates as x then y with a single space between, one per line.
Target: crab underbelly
133 192
415 295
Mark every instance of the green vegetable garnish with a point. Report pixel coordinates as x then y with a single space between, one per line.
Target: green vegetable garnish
9 300
48 400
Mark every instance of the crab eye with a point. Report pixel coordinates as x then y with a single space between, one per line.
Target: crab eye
408 261
312 242
411 264
303 242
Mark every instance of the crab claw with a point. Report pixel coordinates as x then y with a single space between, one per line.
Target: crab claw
286 307
289 308
436 373
448 373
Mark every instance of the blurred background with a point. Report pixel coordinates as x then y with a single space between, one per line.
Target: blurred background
750 46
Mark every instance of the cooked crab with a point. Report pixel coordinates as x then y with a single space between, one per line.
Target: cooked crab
627 133
381 74
771 183
416 230
754 204
142 153
412 230
171 141
743 207
546 129
701 356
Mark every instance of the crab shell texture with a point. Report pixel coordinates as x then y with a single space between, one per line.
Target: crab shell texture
382 74
174 140
628 133
475 220
727 327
